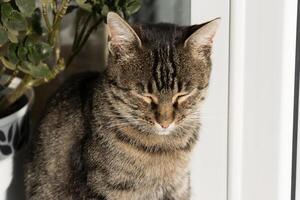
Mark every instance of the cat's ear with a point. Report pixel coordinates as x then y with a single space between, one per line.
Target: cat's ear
122 36
203 36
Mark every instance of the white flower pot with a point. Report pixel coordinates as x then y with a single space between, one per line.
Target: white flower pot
14 131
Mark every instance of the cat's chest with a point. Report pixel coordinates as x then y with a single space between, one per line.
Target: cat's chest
121 160
166 172
155 168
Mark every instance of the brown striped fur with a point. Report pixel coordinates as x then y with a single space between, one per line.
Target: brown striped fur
128 134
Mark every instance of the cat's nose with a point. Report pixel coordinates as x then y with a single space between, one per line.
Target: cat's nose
165 124
164 115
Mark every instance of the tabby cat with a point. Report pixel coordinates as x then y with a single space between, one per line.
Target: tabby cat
126 134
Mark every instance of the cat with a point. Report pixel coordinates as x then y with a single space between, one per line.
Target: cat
128 133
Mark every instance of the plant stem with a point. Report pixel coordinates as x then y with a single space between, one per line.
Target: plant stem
78 38
82 42
12 97
77 22
57 21
54 5
61 13
45 16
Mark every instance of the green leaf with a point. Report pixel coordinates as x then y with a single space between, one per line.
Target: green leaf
41 70
3 36
7 64
32 52
12 53
6 10
29 42
84 5
105 10
133 6
23 68
15 21
12 36
16 33
33 55
44 50
37 51
22 53
26 6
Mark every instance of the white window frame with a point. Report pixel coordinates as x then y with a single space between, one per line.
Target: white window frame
262 71
260 96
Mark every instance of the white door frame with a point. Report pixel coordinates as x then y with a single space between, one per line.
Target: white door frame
261 97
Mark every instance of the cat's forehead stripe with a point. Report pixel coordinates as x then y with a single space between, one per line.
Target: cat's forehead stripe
164 68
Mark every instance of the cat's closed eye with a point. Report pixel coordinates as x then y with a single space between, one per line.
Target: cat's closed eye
182 96
146 97
150 98
176 99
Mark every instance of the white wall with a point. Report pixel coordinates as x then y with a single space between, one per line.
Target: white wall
173 11
209 167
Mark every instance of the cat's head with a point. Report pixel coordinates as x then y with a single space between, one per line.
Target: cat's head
159 73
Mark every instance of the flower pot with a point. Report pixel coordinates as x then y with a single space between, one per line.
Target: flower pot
14 132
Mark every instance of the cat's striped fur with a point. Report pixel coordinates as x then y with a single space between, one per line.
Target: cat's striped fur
128 134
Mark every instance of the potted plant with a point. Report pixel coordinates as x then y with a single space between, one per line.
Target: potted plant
30 55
